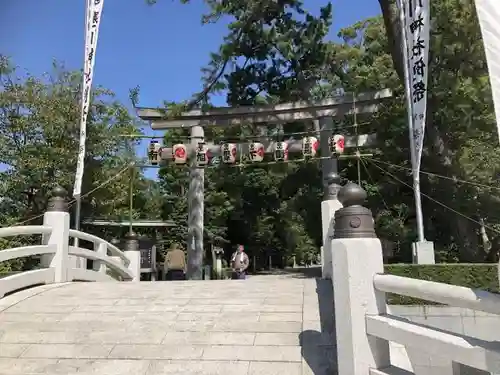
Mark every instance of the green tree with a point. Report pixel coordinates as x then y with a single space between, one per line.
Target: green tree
273 52
276 52
39 131
460 133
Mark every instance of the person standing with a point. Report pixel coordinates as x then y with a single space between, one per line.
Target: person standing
239 263
175 263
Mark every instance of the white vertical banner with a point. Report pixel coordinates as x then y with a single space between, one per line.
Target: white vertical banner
93 14
488 13
417 24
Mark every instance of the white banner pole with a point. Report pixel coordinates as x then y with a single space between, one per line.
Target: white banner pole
413 98
93 12
77 197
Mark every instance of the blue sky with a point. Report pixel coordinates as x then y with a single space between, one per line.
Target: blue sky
160 48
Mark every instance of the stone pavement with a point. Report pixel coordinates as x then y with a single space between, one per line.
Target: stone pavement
265 325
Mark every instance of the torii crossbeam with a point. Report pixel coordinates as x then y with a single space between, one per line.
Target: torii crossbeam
287 112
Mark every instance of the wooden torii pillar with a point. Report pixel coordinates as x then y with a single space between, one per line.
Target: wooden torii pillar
324 112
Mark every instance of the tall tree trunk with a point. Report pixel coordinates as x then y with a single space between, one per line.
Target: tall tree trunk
393 30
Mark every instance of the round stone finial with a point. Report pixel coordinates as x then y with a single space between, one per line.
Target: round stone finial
57 201
59 192
332 178
353 220
131 236
131 241
331 186
351 194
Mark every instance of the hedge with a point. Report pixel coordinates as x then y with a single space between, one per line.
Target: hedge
472 275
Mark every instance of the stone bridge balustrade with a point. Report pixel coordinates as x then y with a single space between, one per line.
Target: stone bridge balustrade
58 262
356 258
329 205
364 327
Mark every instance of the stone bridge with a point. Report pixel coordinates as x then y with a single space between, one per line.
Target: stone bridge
264 325
267 325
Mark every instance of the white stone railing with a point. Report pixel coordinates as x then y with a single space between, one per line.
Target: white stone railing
446 294
364 327
58 259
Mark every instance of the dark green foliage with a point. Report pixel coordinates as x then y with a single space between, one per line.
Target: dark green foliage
276 52
39 133
477 276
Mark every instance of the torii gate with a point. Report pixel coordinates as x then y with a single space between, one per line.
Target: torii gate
322 113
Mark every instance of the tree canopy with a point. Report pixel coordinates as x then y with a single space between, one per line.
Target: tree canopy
277 51
39 131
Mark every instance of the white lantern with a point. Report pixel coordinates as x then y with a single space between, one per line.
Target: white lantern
256 151
310 146
280 151
202 155
228 151
179 153
154 152
336 144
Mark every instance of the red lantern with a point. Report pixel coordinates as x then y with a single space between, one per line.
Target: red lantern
280 151
310 146
228 151
179 153
256 151
154 152
202 155
336 144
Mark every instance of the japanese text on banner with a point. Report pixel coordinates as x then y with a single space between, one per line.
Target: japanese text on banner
417 23
93 21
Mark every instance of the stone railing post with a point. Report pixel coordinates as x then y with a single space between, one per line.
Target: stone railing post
132 252
102 249
218 263
57 217
357 257
329 206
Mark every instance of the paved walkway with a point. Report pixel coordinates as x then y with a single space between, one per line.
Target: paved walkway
265 325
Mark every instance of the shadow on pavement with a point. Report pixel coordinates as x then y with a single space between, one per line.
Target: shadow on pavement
318 347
